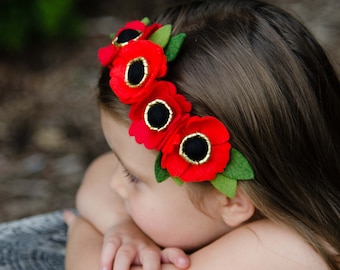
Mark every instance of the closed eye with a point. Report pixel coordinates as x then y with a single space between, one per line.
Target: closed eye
131 178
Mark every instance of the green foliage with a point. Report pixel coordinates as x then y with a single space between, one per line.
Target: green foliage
23 22
162 35
161 174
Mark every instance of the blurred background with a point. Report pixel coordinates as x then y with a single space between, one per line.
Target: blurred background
49 122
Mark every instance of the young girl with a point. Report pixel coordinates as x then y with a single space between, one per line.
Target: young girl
225 146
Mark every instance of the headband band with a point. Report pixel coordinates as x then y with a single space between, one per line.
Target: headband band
191 148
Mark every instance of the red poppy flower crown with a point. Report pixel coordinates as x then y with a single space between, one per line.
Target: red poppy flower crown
191 148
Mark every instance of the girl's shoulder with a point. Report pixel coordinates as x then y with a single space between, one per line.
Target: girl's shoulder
259 245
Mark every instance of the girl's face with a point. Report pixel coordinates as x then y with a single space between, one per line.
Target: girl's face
164 210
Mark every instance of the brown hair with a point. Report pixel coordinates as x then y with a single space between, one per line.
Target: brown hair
261 73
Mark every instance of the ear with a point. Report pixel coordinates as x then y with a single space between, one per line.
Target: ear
237 210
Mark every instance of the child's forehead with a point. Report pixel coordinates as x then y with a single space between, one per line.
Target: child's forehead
129 153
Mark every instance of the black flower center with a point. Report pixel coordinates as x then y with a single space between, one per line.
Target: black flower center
195 148
136 72
157 115
126 35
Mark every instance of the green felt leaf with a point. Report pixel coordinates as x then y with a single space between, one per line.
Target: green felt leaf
174 46
112 35
160 173
145 20
238 167
178 181
162 35
225 185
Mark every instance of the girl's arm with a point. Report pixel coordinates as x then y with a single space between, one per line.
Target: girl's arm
261 245
83 238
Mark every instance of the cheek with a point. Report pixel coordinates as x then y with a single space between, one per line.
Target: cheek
159 217
170 221
151 215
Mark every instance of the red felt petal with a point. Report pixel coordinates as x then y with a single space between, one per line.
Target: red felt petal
150 29
220 156
215 130
137 25
146 31
142 135
106 55
173 141
195 174
185 105
211 127
178 164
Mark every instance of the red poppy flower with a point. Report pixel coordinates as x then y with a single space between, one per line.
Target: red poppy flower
198 150
136 67
131 31
158 115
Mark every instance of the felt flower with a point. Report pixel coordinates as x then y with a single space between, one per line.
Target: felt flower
157 116
134 30
197 151
136 67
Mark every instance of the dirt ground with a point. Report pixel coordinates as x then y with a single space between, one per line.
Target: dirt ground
49 122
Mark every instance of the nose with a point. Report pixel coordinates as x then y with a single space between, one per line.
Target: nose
118 184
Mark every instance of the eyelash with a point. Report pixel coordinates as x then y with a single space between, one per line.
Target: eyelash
132 179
